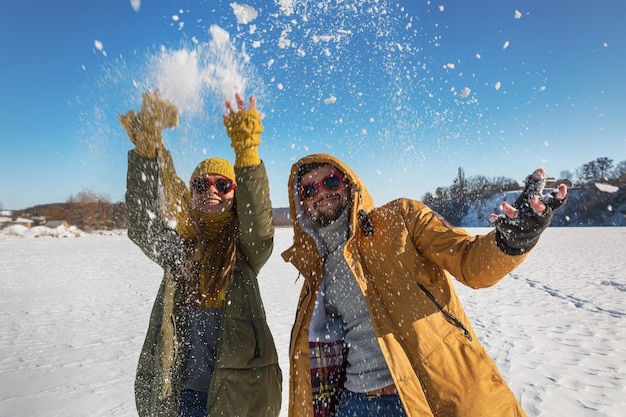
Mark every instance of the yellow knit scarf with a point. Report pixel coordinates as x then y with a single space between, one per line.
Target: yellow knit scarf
210 264
211 239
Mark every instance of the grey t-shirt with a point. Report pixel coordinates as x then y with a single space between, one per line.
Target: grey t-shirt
367 369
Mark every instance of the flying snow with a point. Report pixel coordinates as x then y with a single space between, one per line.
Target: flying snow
286 6
135 4
179 78
225 72
466 92
185 76
244 13
98 45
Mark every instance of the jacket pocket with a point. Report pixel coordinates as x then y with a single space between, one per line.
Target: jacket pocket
450 318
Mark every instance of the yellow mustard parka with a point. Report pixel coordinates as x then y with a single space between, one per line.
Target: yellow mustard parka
402 256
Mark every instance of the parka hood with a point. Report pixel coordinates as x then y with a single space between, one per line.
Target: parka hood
302 224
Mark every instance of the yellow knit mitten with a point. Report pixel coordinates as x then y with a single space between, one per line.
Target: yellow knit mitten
244 129
144 129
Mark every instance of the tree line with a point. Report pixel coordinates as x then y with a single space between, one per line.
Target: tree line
599 170
454 200
86 210
90 211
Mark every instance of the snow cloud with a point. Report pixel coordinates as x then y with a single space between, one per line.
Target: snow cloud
187 76
179 78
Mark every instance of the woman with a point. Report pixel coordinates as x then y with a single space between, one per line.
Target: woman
208 349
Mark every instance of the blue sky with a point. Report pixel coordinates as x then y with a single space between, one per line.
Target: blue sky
405 91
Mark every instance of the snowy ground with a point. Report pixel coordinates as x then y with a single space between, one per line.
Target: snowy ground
74 312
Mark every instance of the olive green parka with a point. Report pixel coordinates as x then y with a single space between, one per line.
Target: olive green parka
247 380
402 256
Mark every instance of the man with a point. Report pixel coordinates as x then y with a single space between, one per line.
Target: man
379 328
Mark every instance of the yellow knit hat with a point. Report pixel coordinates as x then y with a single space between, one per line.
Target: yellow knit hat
217 166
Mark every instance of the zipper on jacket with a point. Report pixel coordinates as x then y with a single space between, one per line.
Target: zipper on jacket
449 317
253 322
252 310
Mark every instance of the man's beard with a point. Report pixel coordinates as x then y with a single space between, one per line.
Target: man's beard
326 218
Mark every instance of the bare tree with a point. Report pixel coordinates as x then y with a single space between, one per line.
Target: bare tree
89 211
619 171
604 165
459 184
567 174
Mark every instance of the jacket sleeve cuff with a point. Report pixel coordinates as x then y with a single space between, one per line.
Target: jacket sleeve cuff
247 157
505 247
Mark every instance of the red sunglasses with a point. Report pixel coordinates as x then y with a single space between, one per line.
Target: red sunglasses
223 185
331 183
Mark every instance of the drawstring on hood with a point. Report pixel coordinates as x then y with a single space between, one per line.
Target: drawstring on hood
366 223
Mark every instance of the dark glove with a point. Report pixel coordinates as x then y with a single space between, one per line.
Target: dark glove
519 234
